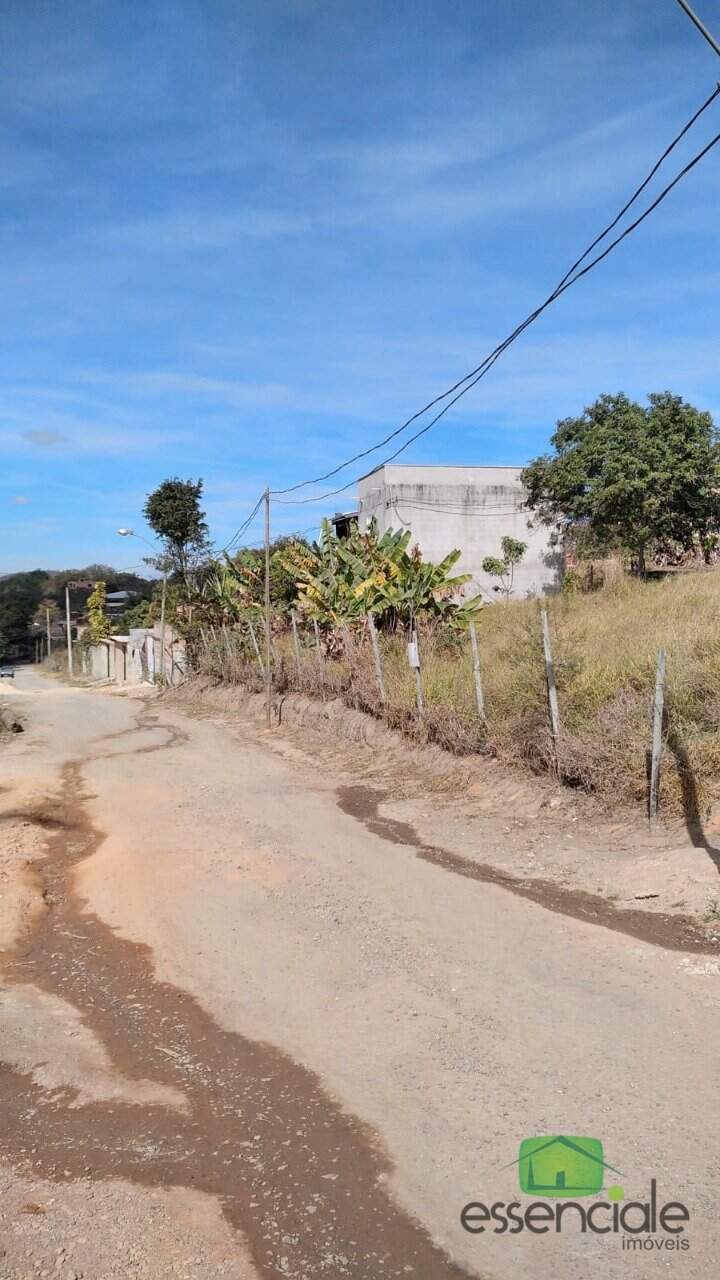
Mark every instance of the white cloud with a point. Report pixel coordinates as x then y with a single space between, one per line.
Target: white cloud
20 500
44 439
91 436
203 230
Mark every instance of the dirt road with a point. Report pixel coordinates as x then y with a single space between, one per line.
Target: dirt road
246 1031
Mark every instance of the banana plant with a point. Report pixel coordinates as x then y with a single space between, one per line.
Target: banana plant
228 593
340 580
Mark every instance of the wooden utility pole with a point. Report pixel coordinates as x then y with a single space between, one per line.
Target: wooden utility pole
69 634
268 636
162 626
47 632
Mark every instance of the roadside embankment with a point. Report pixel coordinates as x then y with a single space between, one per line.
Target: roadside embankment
527 832
604 647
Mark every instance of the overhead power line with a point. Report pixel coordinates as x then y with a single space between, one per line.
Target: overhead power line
572 277
569 278
470 380
700 26
243 526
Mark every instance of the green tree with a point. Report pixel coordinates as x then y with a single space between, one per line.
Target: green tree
98 621
249 564
632 475
20 595
173 512
138 615
512 553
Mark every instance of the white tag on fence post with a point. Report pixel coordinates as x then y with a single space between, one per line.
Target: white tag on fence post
413 655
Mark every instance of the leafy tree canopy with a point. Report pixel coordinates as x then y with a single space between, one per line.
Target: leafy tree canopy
235 587
139 615
173 512
632 474
98 621
20 595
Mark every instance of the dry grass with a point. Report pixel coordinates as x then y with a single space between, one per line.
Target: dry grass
605 648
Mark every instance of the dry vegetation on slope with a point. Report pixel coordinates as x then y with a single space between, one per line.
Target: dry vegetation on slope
605 647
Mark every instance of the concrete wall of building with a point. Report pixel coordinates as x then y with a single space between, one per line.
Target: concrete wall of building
123 659
468 508
118 658
174 663
96 661
136 658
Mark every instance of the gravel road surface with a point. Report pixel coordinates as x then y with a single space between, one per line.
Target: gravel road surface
247 1031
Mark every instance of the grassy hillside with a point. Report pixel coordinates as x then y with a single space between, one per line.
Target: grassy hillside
605 649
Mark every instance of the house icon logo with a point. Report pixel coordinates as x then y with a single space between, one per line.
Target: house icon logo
563 1166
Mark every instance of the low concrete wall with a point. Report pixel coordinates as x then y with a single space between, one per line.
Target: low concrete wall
97 661
175 657
136 658
138 664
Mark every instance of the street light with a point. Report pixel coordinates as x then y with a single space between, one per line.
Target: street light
130 533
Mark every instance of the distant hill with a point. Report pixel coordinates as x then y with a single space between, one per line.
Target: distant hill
23 594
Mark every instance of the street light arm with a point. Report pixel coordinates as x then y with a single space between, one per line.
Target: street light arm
130 533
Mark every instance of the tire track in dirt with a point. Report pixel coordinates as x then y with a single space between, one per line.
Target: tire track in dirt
301 1179
670 931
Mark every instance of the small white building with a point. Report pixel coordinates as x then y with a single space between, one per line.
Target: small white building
468 508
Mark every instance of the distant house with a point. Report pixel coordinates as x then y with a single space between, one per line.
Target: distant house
119 601
468 508
343 522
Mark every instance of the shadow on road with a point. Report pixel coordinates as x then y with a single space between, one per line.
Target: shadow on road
690 800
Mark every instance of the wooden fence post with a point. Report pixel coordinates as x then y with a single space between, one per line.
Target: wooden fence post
376 656
552 689
658 709
317 640
476 672
413 652
296 646
256 647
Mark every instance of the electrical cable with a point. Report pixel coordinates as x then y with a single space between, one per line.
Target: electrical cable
243 526
564 283
495 355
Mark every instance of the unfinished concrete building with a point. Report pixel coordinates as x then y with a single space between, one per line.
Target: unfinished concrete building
469 508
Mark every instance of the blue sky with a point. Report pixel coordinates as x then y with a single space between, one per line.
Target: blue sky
242 240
